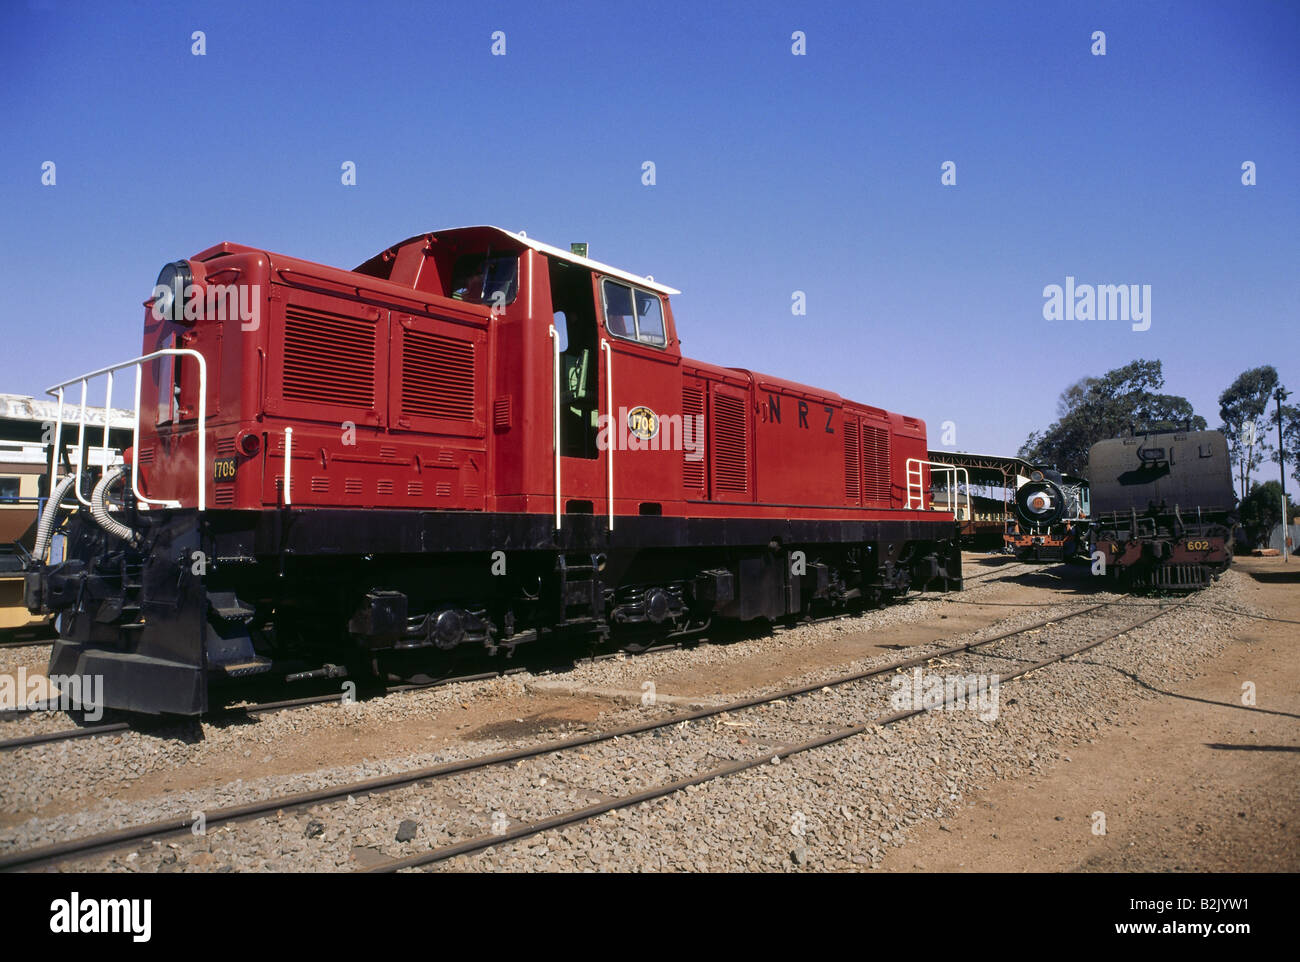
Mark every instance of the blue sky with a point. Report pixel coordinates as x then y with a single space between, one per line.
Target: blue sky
775 173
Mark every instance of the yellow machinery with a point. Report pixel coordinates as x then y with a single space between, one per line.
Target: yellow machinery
26 429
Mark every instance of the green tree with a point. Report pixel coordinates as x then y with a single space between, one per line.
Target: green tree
1096 408
1261 510
1291 438
1241 406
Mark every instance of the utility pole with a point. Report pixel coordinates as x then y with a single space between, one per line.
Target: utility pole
1281 394
1248 439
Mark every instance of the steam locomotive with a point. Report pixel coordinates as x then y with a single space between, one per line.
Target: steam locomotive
1164 509
1051 518
471 441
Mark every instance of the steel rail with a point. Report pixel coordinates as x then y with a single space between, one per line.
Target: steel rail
659 791
165 827
290 704
242 711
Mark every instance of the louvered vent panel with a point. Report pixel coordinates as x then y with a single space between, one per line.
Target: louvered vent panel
875 463
225 493
730 445
501 413
852 463
437 376
385 485
693 428
328 358
351 485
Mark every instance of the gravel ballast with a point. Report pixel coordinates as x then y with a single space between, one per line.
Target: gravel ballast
836 808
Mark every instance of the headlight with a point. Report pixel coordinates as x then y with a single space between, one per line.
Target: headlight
175 281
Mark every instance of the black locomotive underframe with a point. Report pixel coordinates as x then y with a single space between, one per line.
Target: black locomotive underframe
203 599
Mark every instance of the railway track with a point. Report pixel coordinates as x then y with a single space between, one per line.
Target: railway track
25 642
578 815
292 704
75 848
289 704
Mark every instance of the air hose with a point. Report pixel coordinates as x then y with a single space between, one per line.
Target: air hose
99 508
46 526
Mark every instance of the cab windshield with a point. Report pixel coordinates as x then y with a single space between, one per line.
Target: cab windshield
491 279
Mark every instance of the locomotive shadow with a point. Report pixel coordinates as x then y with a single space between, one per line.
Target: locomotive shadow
1276 577
1221 746
1132 676
1064 577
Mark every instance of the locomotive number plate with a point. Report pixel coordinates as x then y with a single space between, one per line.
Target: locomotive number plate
223 469
1198 546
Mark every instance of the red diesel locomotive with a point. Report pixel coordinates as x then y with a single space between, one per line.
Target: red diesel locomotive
472 439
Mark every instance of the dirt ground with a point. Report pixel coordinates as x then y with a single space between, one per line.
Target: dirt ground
1199 783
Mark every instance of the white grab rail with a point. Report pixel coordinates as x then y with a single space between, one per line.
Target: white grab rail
81 431
56 391
555 431
609 402
81 444
288 465
916 493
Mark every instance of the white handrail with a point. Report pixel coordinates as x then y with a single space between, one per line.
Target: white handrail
81 431
54 448
612 438
288 465
81 444
56 390
135 473
555 432
916 469
108 406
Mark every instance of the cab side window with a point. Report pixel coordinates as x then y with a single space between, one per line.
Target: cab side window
649 319
633 314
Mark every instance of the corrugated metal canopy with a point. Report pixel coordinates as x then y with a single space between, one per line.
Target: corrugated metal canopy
20 407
